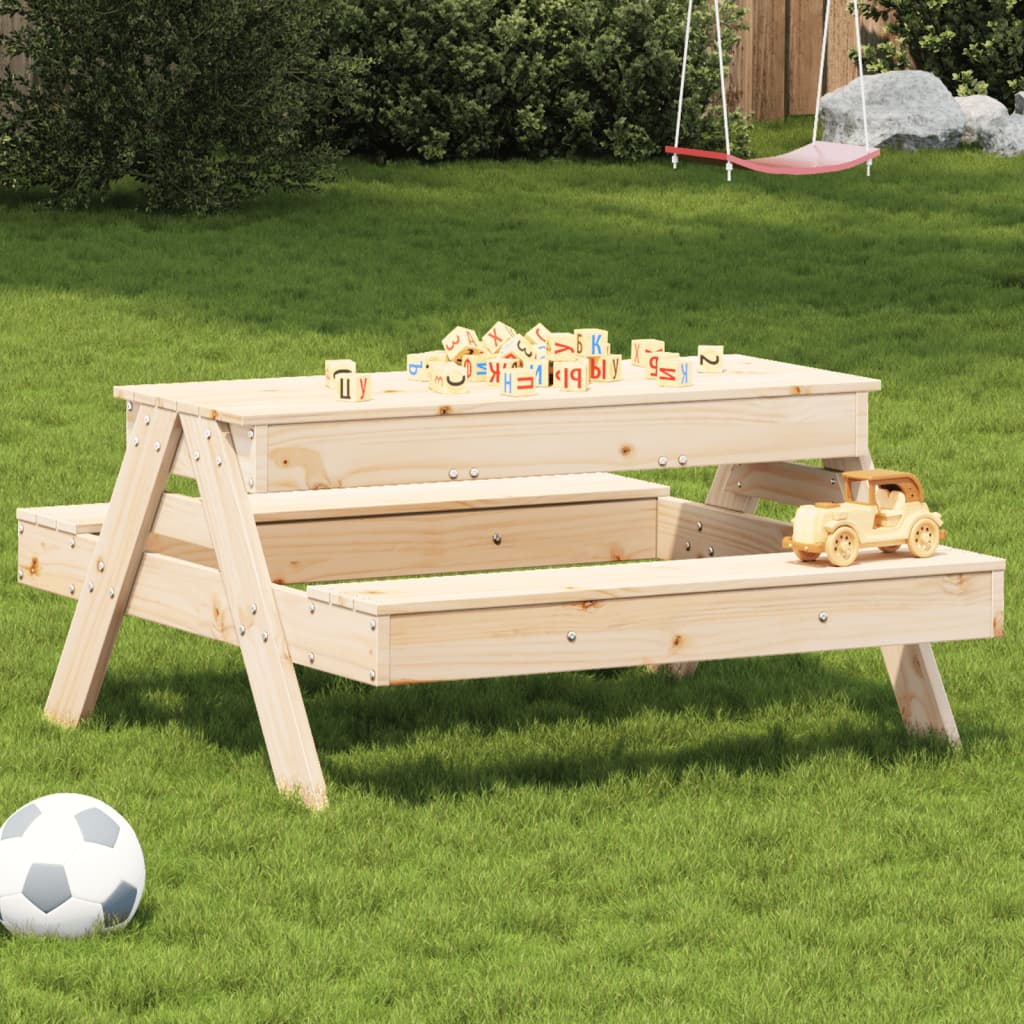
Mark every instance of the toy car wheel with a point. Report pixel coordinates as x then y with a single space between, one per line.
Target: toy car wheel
924 537
806 556
843 546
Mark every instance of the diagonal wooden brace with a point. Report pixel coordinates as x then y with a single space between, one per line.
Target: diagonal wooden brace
109 580
253 609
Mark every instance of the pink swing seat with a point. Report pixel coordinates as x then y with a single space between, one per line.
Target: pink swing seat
814 158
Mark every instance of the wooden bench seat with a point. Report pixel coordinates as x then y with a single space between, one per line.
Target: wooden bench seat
411 529
606 616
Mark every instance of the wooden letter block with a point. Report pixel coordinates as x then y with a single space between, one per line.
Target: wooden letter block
522 349
606 368
710 358
653 361
518 381
448 378
352 387
540 370
417 364
640 348
574 376
592 341
496 366
332 367
538 335
677 371
492 341
478 368
459 341
561 345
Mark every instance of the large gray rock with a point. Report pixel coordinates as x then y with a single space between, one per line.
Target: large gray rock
906 110
981 113
1018 103
1006 138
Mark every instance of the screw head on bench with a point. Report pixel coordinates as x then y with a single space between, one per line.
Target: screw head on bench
571 636
89 586
135 442
689 546
220 461
700 526
110 593
312 608
21 574
373 675
130 406
195 456
264 637
101 565
156 446
823 616
682 460
207 434
73 541
662 460
496 538
252 433
21 527
312 657
453 474
711 552
250 483
71 589
373 625
145 419
241 630
474 472
252 607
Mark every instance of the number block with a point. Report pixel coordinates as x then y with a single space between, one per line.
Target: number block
574 376
459 342
592 341
562 346
676 371
710 358
640 348
448 378
332 367
606 368
352 387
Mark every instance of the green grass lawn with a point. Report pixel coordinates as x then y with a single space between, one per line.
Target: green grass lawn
762 842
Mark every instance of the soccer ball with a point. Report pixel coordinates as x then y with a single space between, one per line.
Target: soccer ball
69 865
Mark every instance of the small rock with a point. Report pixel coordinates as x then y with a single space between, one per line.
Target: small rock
906 110
1018 103
1006 138
980 113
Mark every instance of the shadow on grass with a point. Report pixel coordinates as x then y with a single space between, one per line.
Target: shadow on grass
418 743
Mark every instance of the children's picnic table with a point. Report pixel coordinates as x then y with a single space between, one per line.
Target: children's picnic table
395 495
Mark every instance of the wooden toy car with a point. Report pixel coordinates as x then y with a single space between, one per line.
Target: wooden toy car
894 514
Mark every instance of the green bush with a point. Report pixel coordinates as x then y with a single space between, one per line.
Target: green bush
205 103
972 45
534 78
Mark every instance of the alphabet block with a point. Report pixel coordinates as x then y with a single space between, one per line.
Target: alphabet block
351 387
710 358
592 341
520 348
518 381
448 378
332 367
540 368
458 341
677 371
562 345
640 348
538 335
477 368
574 376
416 363
653 361
495 337
496 366
606 368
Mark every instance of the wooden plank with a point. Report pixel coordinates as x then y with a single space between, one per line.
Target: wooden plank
305 400
253 610
806 21
788 483
110 577
191 597
920 695
692 529
601 583
768 59
581 635
327 455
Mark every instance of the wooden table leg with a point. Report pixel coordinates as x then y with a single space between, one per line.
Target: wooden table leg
111 576
254 611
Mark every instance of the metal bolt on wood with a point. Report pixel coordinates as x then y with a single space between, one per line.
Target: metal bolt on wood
823 616
73 542
453 474
373 625
195 456
264 636
220 461
373 675
241 630
89 586
145 419
496 538
662 460
110 593
71 589
474 472
711 552
250 483
156 447
101 565
571 636
682 460
312 608
21 574
135 442
130 406
312 657
700 526
252 434
252 607
21 527
207 434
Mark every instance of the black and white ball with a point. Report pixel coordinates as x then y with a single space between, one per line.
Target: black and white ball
69 865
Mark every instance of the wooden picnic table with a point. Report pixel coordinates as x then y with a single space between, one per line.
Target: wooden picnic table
354 499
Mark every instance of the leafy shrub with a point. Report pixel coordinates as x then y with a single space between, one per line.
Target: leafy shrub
205 103
972 45
535 78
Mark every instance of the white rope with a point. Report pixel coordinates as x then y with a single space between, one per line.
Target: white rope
725 106
821 71
682 82
863 89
